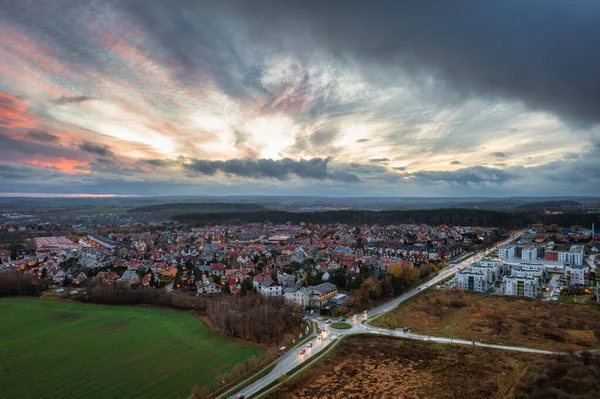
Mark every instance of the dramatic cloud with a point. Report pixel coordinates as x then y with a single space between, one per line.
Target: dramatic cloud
93 148
540 53
315 168
44 137
472 175
301 96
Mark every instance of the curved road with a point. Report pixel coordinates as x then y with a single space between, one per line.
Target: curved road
294 358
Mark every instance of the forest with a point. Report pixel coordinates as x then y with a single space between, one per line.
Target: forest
449 216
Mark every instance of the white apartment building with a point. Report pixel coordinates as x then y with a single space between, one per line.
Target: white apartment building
521 286
506 252
525 273
529 253
297 296
533 271
490 269
576 274
472 280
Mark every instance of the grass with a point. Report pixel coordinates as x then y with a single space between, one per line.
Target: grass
340 325
499 320
396 368
63 349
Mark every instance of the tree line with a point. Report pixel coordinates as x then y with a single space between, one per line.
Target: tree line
449 216
251 317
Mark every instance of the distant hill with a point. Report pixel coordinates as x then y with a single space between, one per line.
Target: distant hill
197 208
461 217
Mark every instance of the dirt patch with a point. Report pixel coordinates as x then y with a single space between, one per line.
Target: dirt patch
500 320
368 367
65 316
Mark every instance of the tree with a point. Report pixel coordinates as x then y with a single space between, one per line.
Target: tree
395 269
246 286
371 287
339 278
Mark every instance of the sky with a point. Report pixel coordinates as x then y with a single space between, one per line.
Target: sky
332 98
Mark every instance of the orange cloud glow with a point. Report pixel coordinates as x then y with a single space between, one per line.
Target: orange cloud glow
64 165
13 112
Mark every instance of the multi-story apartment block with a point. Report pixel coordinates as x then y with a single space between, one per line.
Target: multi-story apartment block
521 286
507 252
491 270
534 271
576 274
574 256
529 253
472 280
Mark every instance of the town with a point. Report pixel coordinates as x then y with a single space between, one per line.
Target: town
312 266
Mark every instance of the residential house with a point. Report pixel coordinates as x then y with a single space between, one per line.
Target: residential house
270 288
129 277
297 296
208 288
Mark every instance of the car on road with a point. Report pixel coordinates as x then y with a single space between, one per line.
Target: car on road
323 329
354 317
342 319
312 311
319 337
309 345
302 351
240 397
328 322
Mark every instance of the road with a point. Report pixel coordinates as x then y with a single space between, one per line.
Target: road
294 358
444 274
590 261
289 361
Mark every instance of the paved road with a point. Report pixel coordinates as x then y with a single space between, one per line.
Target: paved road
444 274
293 358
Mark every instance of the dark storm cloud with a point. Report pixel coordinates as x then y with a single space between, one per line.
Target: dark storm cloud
471 175
542 53
70 100
93 148
44 137
455 163
499 154
378 160
315 168
362 140
157 162
18 150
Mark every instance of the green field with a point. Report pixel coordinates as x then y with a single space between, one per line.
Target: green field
52 349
